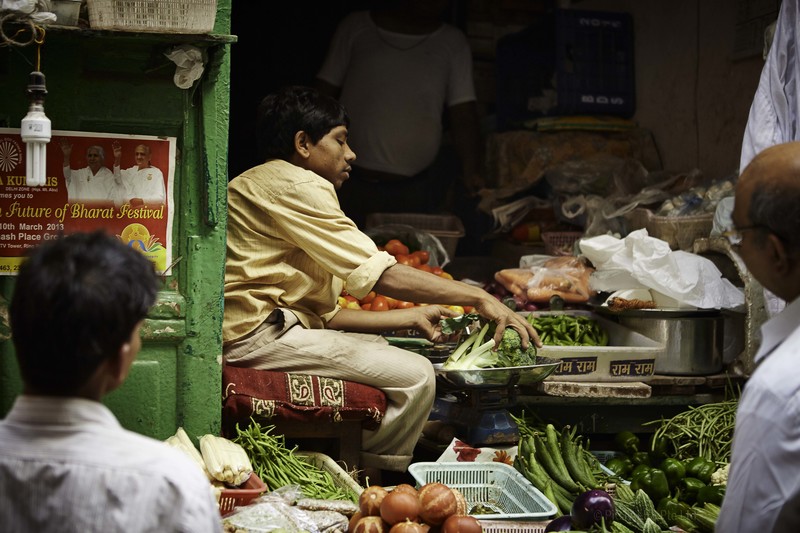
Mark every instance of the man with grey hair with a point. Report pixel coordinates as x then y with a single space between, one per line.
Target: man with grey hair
92 183
765 464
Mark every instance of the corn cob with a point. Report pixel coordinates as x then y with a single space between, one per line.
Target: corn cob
225 460
181 441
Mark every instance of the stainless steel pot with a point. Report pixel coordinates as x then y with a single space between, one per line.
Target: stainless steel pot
693 339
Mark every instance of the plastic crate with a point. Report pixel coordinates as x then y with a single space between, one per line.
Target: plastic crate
447 228
560 242
341 479
160 16
230 498
494 485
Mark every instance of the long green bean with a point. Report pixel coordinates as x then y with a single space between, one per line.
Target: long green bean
279 466
702 431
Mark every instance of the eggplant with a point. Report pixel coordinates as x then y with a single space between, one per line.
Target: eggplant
591 508
562 523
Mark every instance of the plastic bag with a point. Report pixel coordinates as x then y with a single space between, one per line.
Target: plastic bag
412 237
566 277
270 512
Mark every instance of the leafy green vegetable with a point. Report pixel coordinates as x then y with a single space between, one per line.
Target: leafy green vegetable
457 324
510 351
476 352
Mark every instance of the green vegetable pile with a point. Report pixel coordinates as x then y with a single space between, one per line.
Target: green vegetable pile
279 466
475 352
569 330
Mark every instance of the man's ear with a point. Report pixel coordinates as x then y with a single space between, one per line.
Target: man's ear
120 365
302 144
782 260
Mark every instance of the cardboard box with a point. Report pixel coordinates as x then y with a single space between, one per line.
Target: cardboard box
629 356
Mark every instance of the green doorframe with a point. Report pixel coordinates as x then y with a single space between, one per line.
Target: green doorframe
117 82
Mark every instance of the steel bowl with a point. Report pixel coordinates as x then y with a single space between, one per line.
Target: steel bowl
498 377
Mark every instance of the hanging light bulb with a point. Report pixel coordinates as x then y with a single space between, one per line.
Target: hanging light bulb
35 133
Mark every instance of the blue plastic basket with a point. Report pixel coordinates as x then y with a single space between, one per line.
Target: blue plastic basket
494 486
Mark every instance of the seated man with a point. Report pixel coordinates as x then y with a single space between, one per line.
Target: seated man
66 464
290 251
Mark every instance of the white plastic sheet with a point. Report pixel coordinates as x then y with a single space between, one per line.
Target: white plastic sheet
640 261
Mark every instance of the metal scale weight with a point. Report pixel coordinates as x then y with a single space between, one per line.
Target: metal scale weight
476 402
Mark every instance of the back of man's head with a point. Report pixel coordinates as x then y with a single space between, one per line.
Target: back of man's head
76 302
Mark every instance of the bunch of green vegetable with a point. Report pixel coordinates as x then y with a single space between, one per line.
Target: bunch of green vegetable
279 466
681 489
569 330
702 431
477 350
557 464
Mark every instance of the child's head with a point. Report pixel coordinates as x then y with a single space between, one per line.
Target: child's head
76 303
292 109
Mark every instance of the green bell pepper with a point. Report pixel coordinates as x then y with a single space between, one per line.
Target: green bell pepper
627 442
674 470
711 494
653 482
638 469
700 468
621 466
641 458
689 487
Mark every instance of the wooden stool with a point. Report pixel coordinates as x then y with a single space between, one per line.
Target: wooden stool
301 406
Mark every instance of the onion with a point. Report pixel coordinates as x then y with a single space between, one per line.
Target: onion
591 507
562 523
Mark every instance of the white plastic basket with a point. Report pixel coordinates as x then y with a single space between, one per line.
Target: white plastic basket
493 485
159 16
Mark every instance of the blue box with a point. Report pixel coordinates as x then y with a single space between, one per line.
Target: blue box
568 62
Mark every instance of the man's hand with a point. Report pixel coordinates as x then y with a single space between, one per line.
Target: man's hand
429 317
115 146
66 148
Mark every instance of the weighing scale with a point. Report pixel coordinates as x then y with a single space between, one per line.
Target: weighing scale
476 402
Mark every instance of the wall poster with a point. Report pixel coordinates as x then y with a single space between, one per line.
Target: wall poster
86 191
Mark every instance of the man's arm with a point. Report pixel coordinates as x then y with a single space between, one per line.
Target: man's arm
413 285
465 129
66 150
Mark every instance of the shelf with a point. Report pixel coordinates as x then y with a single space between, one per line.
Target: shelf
139 36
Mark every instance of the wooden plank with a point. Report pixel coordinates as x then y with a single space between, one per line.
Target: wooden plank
581 389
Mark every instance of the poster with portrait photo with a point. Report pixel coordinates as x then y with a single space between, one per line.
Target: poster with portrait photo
86 192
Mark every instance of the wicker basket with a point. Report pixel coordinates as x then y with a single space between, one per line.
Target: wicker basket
560 242
341 479
159 16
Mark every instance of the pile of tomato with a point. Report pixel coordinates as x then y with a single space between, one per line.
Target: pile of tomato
378 302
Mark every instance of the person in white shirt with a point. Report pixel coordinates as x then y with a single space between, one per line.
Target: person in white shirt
399 70
764 479
92 183
142 183
66 463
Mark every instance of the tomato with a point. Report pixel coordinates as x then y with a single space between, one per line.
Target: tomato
366 307
368 298
423 255
396 247
405 305
468 309
446 275
380 304
437 270
391 301
405 259
426 268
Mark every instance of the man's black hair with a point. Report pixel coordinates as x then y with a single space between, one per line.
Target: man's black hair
77 300
295 108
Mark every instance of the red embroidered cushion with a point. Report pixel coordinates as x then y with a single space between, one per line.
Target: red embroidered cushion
264 394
